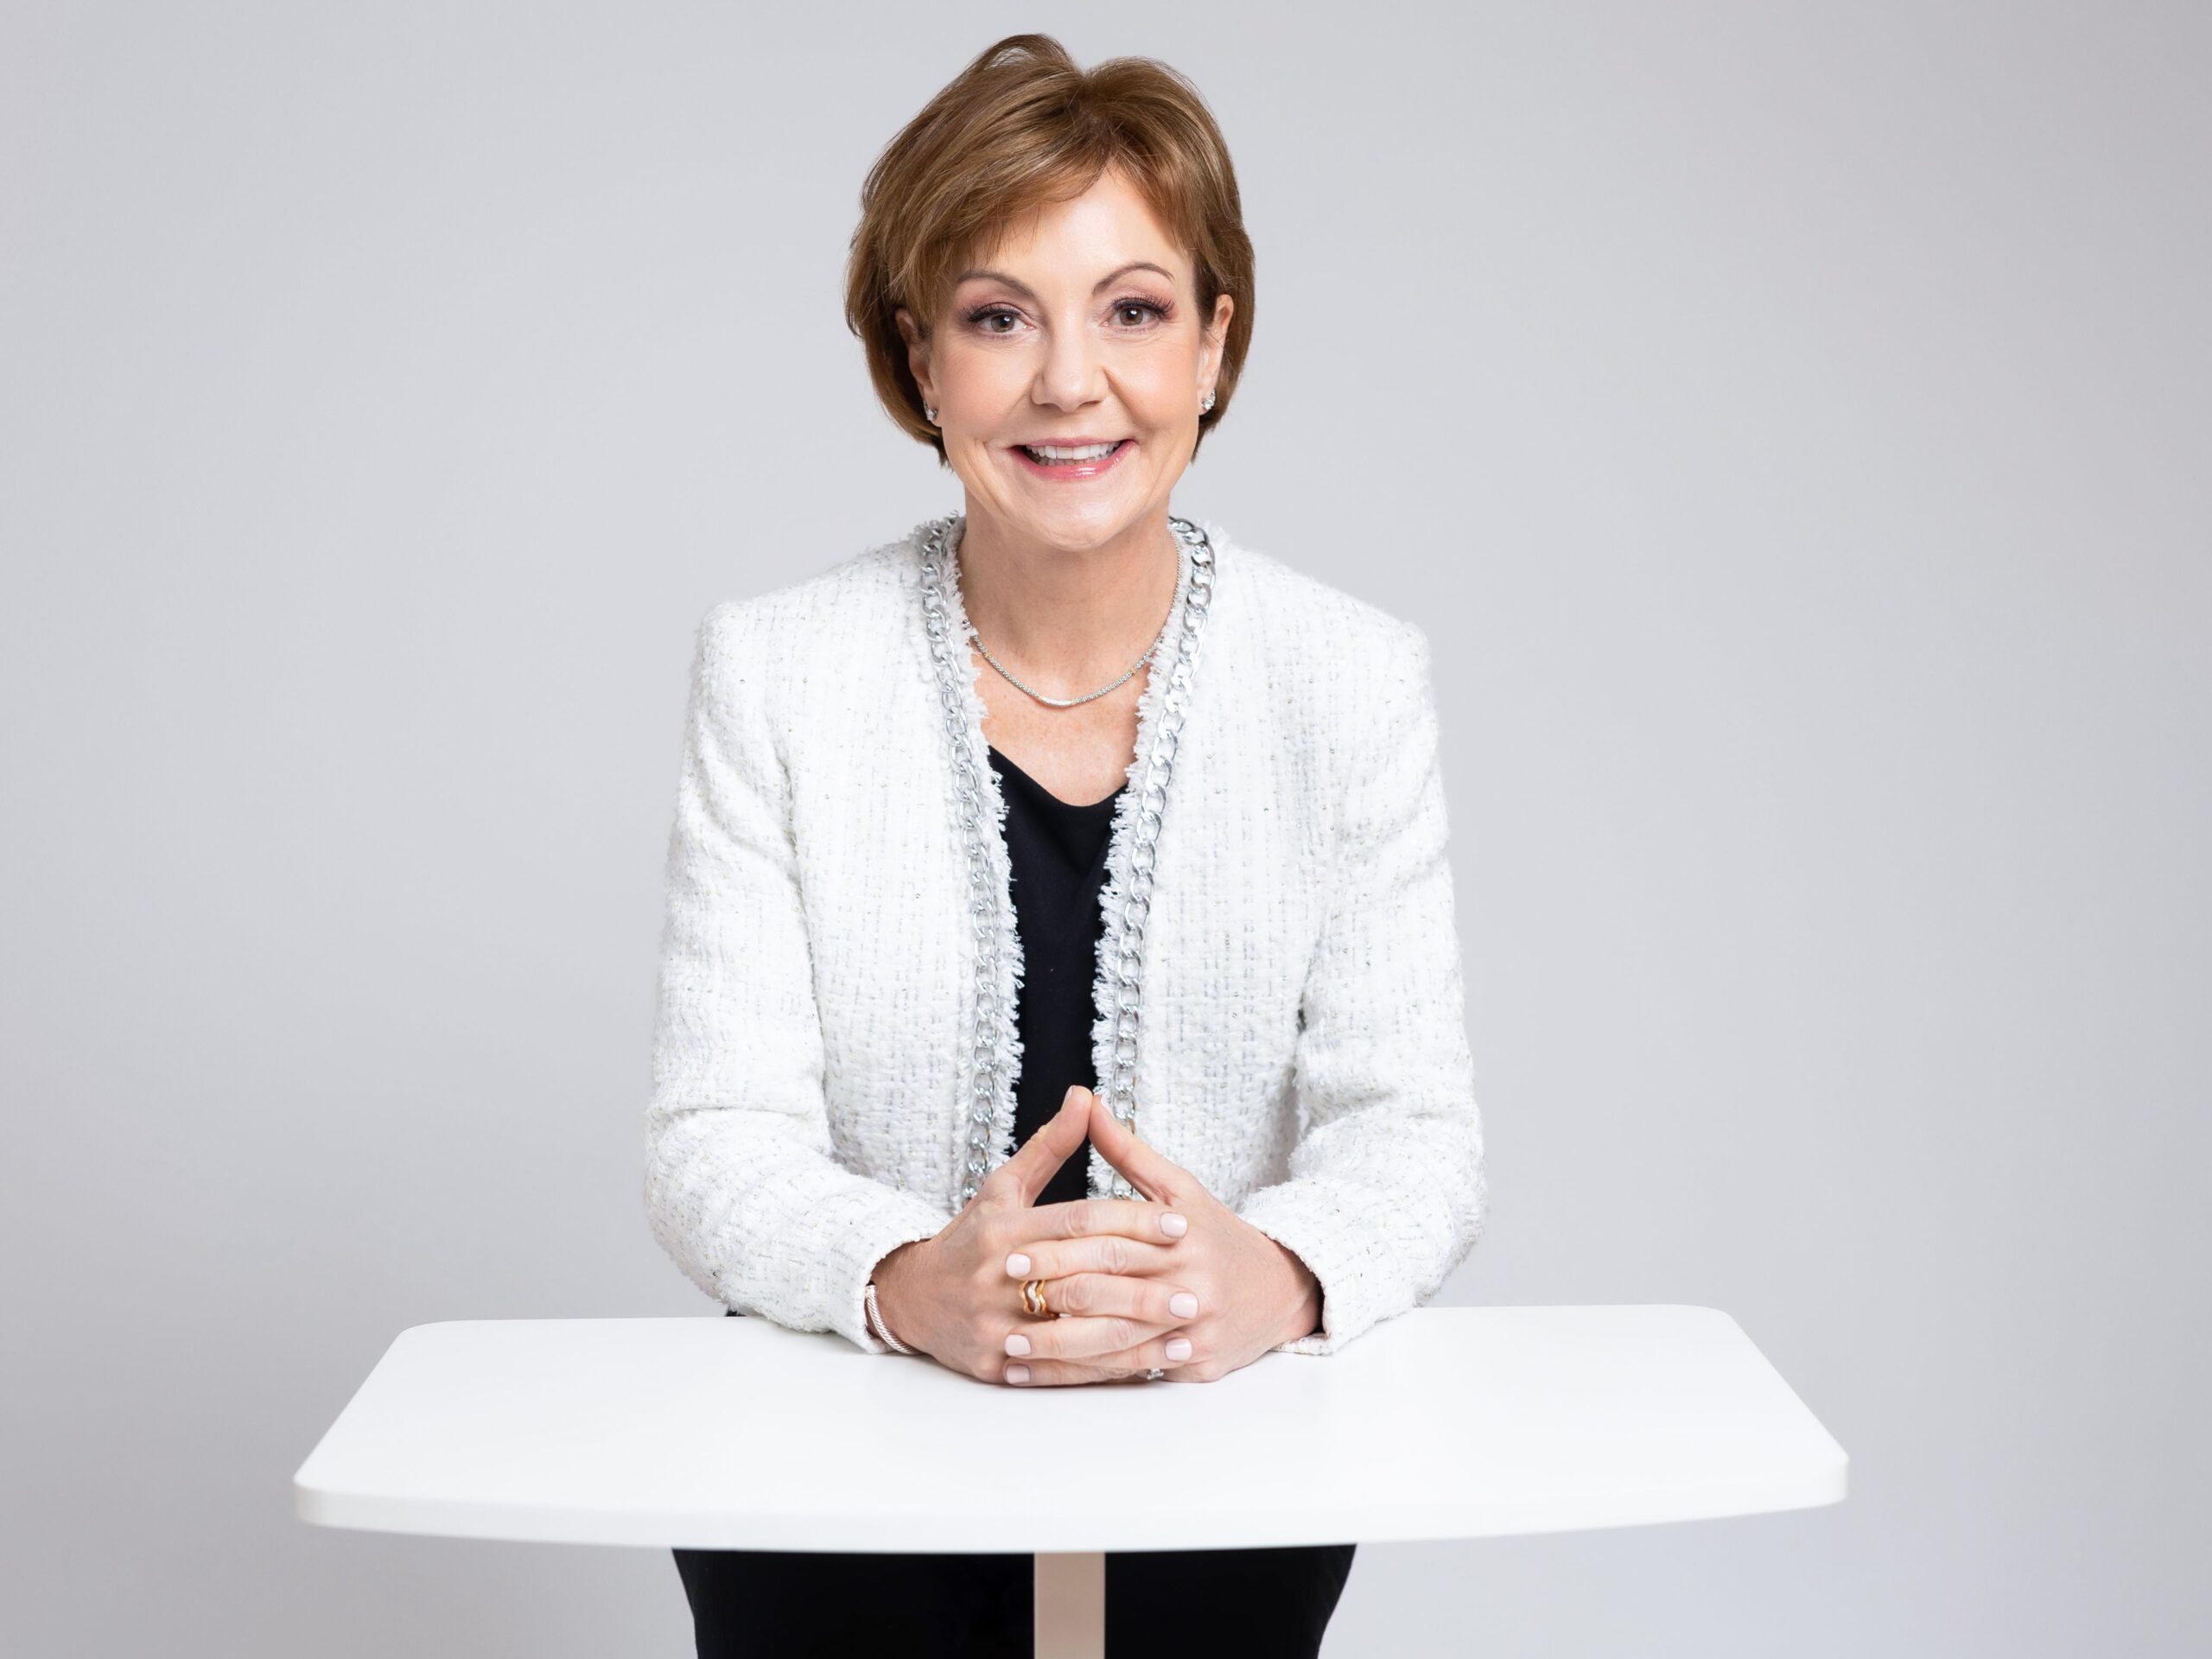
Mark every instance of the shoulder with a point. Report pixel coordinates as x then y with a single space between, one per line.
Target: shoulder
1345 654
1289 604
865 589
816 652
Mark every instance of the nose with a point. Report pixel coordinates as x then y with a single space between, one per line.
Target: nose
1071 373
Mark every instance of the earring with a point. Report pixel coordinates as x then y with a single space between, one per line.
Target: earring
929 414
1205 404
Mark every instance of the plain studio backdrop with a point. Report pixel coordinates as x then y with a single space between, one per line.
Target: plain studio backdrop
1791 425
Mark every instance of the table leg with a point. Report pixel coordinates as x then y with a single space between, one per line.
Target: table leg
1071 1606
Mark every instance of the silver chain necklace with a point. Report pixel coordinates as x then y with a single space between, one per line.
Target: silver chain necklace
1182 582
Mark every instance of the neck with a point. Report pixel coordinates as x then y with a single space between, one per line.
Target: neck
1072 617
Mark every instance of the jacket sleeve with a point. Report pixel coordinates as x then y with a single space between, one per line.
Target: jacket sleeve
741 1184
1388 1192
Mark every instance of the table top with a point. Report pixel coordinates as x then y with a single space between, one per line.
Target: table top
721 1433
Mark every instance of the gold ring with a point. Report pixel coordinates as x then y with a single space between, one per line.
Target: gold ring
1033 1298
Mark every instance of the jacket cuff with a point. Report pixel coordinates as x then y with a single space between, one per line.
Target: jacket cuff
1329 1225
899 1217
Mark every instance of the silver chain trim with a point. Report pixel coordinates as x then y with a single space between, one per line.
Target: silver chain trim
994 1048
1126 903
989 1097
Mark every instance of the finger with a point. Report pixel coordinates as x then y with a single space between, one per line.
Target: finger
1048 1373
1063 1258
1157 1353
1078 1338
1136 1218
1145 1169
1017 1182
1151 1301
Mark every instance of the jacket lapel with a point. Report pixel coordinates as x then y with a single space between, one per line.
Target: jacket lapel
992 1058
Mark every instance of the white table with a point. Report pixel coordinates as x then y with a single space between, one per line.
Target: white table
735 1433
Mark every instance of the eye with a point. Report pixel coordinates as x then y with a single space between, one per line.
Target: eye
987 318
1138 313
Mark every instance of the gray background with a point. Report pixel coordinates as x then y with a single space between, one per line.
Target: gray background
1790 423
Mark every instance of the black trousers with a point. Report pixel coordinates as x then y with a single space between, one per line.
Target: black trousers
1256 1604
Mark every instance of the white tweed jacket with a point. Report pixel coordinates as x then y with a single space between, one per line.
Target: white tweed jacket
1280 1004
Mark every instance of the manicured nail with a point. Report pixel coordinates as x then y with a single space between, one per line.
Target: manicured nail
1017 1373
1017 1265
1179 1347
1182 1304
1174 1225
1017 1344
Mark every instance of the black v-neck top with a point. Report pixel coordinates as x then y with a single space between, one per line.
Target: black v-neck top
1058 850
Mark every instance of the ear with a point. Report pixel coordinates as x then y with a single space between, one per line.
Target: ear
917 351
1217 337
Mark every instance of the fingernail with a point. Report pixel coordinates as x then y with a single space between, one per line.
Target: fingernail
1017 1265
1182 1304
1179 1347
1017 1373
1174 1225
1017 1344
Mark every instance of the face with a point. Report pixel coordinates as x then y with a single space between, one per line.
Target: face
1079 333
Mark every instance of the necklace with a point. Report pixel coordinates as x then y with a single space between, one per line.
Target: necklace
1182 582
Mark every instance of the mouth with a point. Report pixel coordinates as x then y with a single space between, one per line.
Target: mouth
1081 459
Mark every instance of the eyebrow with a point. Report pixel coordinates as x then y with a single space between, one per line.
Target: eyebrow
1020 287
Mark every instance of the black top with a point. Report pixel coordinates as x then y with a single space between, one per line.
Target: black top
1057 850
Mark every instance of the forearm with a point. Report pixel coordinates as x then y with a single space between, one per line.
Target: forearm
1380 1207
761 1222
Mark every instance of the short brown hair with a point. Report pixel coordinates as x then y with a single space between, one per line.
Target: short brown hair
1020 127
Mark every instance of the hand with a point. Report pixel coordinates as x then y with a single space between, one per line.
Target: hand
954 1297
1252 1295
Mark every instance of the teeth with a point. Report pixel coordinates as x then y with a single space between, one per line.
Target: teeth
1048 452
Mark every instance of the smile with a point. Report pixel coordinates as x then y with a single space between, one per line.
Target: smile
1072 461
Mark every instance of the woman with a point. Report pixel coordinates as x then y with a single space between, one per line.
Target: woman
1060 794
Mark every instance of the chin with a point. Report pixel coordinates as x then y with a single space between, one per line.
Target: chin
1077 527
1068 517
